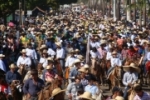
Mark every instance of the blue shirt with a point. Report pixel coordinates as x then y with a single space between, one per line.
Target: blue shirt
92 89
73 72
10 76
31 88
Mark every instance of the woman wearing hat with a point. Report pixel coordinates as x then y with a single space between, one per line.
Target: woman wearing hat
130 77
23 60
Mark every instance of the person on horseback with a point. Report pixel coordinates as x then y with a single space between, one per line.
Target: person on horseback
50 75
74 71
24 61
32 86
74 89
43 59
140 94
130 77
57 94
115 62
12 75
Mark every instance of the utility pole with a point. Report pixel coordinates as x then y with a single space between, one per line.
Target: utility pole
114 10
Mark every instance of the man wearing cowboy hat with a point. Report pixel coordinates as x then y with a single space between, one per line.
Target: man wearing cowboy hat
130 76
12 75
57 94
2 64
32 86
24 60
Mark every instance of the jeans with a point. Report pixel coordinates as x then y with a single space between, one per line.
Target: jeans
126 92
143 67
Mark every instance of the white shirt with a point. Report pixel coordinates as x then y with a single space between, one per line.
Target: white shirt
94 54
43 61
60 53
129 78
31 53
2 66
148 56
108 56
115 62
69 61
26 61
51 52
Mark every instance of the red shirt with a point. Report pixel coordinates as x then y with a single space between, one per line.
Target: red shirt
4 88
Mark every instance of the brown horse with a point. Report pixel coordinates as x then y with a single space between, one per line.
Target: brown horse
16 94
45 93
115 77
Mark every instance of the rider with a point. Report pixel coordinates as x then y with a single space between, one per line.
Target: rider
130 77
115 61
12 75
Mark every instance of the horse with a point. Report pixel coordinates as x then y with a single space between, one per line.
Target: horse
22 71
2 96
46 92
93 67
16 90
115 77
131 93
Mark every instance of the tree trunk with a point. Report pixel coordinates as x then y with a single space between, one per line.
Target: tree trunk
140 18
118 10
128 10
144 15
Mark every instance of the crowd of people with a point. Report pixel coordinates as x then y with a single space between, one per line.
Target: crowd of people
64 46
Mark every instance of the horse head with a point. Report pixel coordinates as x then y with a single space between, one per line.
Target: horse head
118 72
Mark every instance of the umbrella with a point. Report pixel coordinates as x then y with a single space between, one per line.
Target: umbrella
11 24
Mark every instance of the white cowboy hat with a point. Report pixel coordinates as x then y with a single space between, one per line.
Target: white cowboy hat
86 95
118 98
49 67
43 46
23 51
77 61
56 91
1 55
126 68
86 66
12 66
103 42
44 51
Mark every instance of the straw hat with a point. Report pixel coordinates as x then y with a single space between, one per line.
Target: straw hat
23 51
1 55
43 46
82 69
49 67
80 57
50 59
86 95
77 61
12 66
103 42
76 50
56 91
86 66
114 52
132 65
58 44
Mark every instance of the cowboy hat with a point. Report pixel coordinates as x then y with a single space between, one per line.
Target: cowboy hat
82 70
80 57
132 65
86 95
114 52
49 67
50 59
12 66
43 46
23 51
86 66
1 55
103 42
56 91
76 50
77 61
58 44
